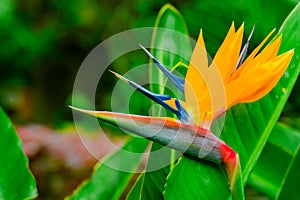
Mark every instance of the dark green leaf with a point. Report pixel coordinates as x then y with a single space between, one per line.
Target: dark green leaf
290 188
215 17
275 172
135 191
16 181
191 179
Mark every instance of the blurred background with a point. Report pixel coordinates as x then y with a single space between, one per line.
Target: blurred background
43 44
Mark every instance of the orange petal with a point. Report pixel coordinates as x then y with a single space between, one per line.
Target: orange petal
269 52
227 56
256 83
195 87
279 66
266 54
256 50
246 64
227 40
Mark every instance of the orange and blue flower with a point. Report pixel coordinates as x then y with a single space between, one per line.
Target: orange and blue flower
241 80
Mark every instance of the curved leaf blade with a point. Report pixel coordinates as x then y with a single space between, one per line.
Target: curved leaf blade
171 20
16 181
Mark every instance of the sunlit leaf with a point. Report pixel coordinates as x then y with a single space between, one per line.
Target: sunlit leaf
16 180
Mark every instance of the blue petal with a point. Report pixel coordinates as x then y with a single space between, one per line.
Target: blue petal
184 115
158 98
177 81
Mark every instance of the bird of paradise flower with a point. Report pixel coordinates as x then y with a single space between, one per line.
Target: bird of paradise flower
244 80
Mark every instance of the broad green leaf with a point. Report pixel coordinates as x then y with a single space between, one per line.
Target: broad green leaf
107 182
192 179
248 126
16 180
197 179
274 173
168 49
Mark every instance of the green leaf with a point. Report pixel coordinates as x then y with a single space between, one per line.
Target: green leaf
276 172
248 126
289 189
197 180
135 191
169 48
110 183
16 181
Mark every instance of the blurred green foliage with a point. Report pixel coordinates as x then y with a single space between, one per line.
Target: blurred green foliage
44 43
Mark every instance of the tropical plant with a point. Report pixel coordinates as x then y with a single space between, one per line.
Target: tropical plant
251 129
